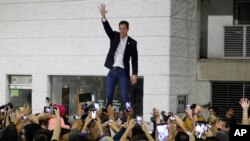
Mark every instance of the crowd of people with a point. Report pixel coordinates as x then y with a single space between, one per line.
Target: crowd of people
104 124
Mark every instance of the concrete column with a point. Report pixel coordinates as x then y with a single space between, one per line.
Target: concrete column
4 91
40 90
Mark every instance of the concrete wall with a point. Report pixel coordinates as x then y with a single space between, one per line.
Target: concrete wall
216 35
211 8
223 70
59 37
183 47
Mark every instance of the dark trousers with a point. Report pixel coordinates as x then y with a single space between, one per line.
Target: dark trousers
117 75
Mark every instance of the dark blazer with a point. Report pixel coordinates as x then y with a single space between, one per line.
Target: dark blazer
130 50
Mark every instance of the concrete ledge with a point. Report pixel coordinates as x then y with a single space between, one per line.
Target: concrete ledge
223 70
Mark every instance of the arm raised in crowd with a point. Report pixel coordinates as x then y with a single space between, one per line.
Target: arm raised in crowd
244 102
87 121
126 134
78 104
145 130
57 130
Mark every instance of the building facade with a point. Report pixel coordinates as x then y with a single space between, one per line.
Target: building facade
49 48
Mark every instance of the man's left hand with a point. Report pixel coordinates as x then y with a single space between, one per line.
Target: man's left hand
133 79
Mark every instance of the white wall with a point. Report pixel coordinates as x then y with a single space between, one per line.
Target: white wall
216 35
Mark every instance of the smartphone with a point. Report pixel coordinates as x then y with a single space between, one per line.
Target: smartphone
96 106
2 110
171 118
128 106
48 109
25 117
93 114
188 107
85 97
201 128
162 132
138 120
77 117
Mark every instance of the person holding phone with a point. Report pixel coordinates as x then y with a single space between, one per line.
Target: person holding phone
122 48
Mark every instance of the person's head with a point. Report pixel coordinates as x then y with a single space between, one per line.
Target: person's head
61 109
139 137
221 123
11 132
73 135
211 139
222 136
43 135
213 110
30 130
181 136
123 28
229 111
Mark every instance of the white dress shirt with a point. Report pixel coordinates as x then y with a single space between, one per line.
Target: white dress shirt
119 53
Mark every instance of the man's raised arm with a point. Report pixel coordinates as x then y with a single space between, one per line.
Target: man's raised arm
106 25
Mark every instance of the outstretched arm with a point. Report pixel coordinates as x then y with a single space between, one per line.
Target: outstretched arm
106 25
244 102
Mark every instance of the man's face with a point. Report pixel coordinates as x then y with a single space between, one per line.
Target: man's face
231 111
220 124
123 30
211 111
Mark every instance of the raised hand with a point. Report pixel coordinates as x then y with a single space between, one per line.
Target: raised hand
103 10
244 102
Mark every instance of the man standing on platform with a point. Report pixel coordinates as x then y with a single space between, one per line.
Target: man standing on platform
122 47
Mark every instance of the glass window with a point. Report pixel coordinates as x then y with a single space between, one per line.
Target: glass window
63 90
20 89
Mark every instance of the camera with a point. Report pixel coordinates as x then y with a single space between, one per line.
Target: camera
128 106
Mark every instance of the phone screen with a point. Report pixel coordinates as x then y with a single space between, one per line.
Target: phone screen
93 114
76 117
128 106
201 128
139 120
97 107
85 97
48 109
25 117
162 132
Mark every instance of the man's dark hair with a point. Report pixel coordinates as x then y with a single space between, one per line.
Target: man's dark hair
139 137
30 131
124 22
9 133
214 108
227 109
211 139
181 136
43 135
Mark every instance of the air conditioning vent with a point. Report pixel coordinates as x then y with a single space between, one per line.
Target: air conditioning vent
233 41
